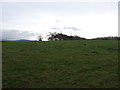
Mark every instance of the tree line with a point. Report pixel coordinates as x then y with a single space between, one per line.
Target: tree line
107 38
59 36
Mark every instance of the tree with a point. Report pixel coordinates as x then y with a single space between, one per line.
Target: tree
39 38
60 36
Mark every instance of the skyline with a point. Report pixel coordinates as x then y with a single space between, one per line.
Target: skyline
85 19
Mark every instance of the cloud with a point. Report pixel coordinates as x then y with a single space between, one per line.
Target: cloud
56 28
16 34
73 28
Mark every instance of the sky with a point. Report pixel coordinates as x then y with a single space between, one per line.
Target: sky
27 20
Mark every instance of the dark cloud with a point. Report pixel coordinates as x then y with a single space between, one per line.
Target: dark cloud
16 34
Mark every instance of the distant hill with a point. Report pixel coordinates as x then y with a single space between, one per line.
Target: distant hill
107 38
20 40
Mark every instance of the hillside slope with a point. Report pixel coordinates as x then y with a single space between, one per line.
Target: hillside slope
60 64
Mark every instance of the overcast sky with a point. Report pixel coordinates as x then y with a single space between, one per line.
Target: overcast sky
85 19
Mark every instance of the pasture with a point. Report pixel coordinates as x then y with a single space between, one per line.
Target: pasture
60 64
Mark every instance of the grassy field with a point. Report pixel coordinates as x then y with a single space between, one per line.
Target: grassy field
60 64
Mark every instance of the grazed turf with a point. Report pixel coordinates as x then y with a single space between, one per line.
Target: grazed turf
60 64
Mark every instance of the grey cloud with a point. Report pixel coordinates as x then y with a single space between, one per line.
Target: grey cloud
73 28
56 28
16 34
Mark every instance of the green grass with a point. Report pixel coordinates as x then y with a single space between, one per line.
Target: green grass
60 64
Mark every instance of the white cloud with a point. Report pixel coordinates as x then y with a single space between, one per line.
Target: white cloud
90 19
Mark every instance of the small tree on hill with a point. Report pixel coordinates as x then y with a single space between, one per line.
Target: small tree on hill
39 38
